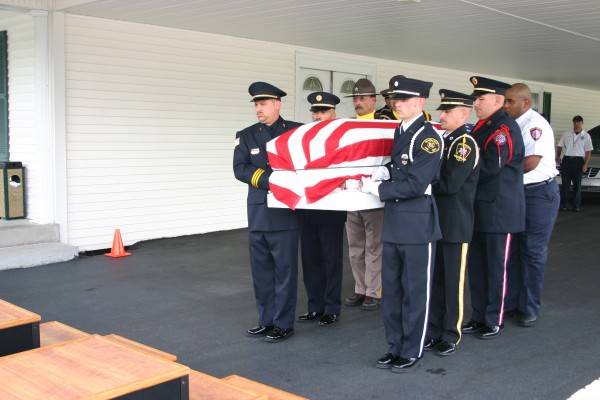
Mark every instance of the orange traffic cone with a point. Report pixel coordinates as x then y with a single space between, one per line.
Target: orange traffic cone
118 250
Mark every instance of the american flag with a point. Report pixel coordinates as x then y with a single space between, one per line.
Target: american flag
314 159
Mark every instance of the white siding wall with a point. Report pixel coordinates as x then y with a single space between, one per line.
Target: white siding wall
151 118
21 102
151 121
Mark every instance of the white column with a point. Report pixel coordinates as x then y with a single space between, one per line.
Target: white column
58 123
43 136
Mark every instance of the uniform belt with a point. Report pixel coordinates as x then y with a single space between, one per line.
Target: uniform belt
532 185
572 157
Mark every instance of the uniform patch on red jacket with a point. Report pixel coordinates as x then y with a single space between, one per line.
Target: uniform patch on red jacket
500 139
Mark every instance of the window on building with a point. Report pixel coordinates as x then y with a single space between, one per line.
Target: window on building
347 86
312 84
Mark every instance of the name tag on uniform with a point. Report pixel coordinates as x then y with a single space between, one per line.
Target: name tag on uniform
255 151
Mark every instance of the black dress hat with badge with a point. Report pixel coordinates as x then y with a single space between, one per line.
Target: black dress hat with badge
322 101
486 86
363 87
402 87
451 99
265 91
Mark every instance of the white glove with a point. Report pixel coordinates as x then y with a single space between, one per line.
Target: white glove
369 186
381 174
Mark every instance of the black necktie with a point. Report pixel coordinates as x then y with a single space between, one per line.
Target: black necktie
272 131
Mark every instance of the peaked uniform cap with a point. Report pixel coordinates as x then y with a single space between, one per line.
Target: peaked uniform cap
451 99
402 87
264 91
321 101
363 87
483 85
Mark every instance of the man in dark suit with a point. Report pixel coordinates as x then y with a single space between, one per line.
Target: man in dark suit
454 195
499 206
273 232
322 242
410 225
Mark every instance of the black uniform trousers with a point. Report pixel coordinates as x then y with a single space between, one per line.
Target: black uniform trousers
529 250
571 170
406 285
322 250
488 257
447 292
275 254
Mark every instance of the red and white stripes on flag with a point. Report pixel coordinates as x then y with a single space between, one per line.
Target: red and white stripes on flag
314 159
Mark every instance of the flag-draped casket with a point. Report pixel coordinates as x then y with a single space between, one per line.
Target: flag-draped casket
311 162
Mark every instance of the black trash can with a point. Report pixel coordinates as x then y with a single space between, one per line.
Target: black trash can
12 190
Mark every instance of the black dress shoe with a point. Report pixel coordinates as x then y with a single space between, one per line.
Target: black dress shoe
528 321
370 303
431 344
387 361
471 327
279 335
355 300
446 348
259 331
309 316
327 319
406 364
490 332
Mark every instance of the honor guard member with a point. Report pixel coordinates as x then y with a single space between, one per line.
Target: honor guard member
386 111
529 249
410 228
454 195
364 227
499 206
273 232
576 147
322 242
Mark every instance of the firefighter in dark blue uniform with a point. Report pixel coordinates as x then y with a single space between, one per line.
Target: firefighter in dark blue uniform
454 195
499 206
273 232
386 111
410 227
322 242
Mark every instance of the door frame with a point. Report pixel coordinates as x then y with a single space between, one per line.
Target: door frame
329 63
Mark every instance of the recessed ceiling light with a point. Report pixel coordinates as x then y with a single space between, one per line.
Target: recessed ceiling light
408 1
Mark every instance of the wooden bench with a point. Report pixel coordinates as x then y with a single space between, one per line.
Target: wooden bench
54 332
92 368
19 329
206 387
271 392
141 347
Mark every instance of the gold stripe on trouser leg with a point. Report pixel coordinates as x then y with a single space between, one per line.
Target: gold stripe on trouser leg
461 288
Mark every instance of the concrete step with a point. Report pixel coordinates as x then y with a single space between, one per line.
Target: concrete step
33 255
21 231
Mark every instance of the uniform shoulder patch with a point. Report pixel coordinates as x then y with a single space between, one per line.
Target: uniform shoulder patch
501 134
462 152
500 139
431 145
536 133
